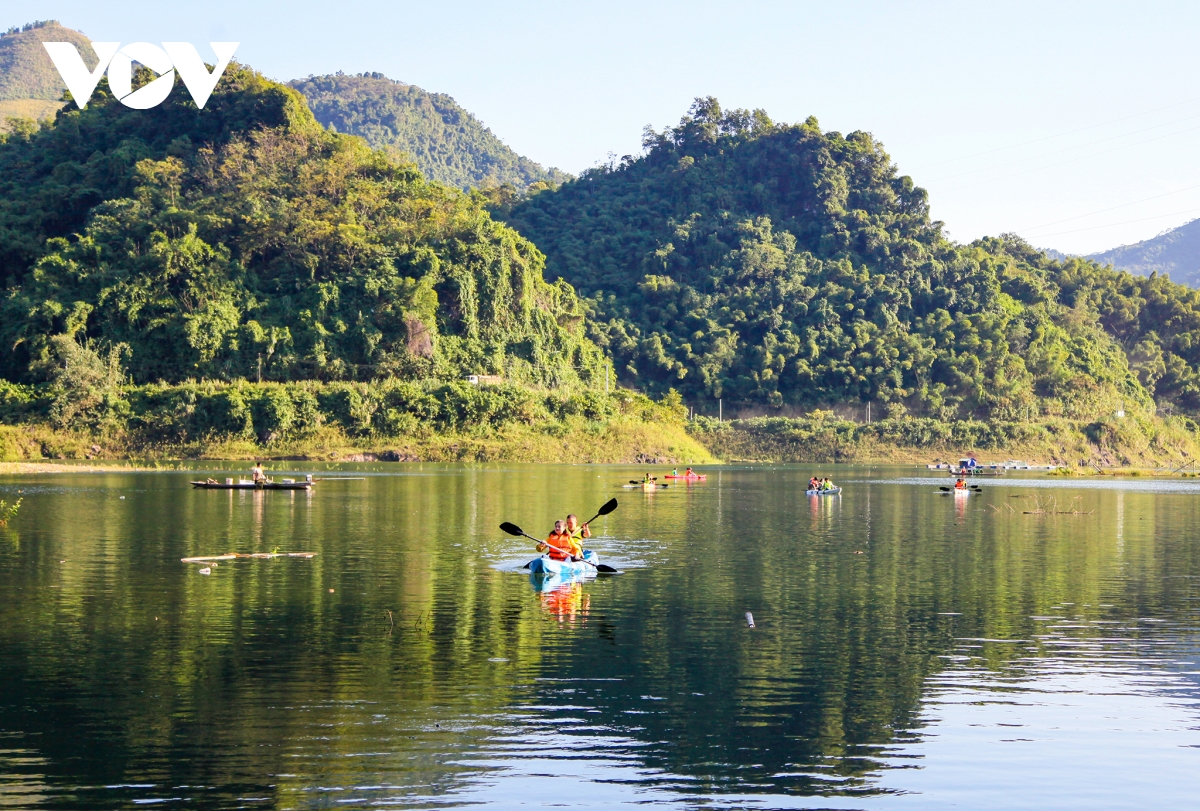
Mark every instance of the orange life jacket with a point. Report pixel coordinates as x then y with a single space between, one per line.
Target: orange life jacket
564 542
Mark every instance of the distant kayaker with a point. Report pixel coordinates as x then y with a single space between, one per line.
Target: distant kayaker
560 545
675 472
259 475
689 473
827 484
814 483
577 530
961 484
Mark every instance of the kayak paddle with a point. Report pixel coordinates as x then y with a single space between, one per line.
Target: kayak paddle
513 529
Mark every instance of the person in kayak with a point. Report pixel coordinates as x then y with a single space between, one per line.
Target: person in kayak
560 545
675 472
814 483
961 484
827 484
577 530
689 473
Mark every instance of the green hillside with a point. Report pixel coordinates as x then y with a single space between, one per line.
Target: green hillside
30 87
447 143
1175 253
778 265
245 241
26 71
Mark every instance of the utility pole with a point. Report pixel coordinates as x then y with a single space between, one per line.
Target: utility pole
720 410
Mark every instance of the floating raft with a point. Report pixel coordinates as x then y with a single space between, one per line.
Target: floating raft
285 485
835 491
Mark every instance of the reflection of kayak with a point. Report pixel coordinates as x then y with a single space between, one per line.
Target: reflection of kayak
832 492
543 582
546 565
697 478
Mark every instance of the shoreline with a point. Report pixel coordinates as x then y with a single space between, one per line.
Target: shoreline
1134 446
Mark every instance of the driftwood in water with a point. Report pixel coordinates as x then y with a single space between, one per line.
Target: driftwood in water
238 555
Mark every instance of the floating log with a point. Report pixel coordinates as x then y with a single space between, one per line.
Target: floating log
239 555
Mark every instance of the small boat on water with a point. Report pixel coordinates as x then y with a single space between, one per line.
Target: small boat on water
548 565
243 484
833 492
699 477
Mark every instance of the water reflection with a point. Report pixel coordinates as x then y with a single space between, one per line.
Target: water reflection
409 663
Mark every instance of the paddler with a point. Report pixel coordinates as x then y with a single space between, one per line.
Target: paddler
814 483
577 530
827 484
689 473
961 484
560 545
675 472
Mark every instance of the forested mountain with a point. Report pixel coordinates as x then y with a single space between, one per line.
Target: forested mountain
245 240
447 143
774 264
1175 253
30 87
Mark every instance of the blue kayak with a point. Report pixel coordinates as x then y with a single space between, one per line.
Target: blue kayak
546 565
832 492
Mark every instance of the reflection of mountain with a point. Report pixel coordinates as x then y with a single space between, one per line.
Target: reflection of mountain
122 664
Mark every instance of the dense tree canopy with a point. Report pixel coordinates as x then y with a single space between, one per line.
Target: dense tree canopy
778 265
446 142
245 240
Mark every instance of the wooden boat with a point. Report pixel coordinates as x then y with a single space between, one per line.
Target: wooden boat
229 484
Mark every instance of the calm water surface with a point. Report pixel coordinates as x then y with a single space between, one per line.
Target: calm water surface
910 649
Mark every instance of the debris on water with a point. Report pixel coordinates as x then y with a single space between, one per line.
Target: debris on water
749 619
206 570
237 555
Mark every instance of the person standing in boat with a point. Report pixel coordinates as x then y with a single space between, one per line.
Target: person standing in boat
258 474
560 545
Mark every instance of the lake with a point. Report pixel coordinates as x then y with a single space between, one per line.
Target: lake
1036 645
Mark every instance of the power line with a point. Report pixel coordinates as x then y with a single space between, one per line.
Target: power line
1123 222
1065 149
1113 208
1057 135
1071 160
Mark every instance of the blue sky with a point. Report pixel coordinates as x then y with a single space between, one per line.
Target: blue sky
1075 124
